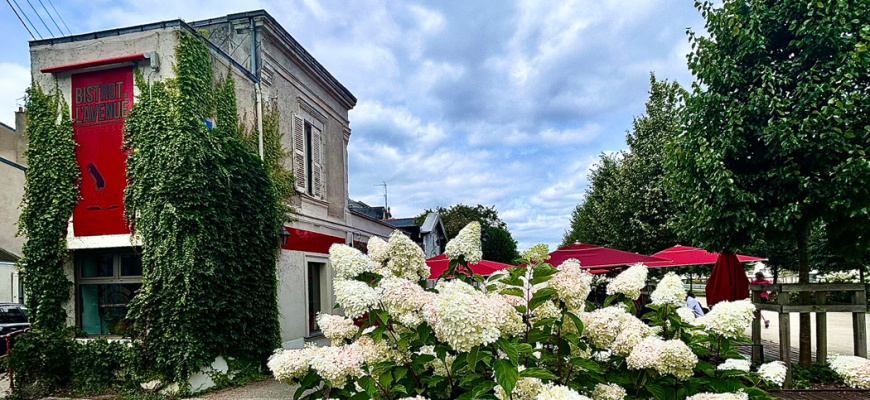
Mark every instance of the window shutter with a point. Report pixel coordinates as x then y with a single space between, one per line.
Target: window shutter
299 152
317 162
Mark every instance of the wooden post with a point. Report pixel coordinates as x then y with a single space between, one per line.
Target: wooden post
785 338
757 353
859 324
821 329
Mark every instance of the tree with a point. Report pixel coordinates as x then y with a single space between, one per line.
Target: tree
777 128
627 206
498 245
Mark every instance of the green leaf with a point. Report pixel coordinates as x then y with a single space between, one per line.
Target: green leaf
506 374
512 291
472 357
535 372
509 349
577 322
586 364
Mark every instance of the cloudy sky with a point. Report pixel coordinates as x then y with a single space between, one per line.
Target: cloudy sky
501 103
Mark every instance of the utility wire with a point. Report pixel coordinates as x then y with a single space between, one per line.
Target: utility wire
19 18
60 16
50 17
28 20
40 18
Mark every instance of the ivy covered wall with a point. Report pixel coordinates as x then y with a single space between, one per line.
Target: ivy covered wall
208 214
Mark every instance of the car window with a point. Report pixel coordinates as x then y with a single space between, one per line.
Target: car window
12 315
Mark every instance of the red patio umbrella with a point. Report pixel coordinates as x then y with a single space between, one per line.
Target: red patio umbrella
439 264
592 256
727 281
684 255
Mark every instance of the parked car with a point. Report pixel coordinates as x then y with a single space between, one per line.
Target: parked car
13 318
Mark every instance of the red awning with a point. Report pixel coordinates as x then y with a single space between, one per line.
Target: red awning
439 264
592 256
727 280
685 255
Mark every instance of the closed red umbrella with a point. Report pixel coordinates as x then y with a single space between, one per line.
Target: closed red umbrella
727 281
439 264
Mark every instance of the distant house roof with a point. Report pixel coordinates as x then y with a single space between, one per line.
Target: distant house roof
401 222
376 212
432 221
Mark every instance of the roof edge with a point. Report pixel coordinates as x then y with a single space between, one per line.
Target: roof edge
12 164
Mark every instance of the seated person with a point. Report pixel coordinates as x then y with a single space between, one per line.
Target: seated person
692 303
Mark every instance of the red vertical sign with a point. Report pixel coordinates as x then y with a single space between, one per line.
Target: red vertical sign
101 100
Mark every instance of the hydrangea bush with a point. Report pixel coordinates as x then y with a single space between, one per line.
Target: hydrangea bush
526 332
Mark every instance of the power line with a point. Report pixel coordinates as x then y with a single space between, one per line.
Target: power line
50 17
28 20
40 18
19 18
59 16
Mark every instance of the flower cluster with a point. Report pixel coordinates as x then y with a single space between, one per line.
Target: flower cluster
336 364
665 356
466 317
773 372
687 315
720 396
336 328
404 300
357 298
537 254
735 364
407 259
629 282
467 244
615 329
558 392
669 291
608 392
852 276
287 365
854 370
729 319
439 368
349 262
379 250
525 389
572 284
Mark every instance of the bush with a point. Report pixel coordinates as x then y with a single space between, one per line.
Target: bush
99 366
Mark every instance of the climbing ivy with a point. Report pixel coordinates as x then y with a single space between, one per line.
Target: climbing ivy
208 217
50 193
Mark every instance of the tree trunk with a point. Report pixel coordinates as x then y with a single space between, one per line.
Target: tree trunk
805 339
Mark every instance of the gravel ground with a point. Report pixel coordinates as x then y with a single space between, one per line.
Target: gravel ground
268 389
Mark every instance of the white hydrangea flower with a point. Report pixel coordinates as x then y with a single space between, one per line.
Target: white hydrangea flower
729 319
671 357
378 352
357 298
669 291
348 262
735 364
465 317
615 329
572 284
773 372
510 321
525 389
439 368
336 364
407 259
559 392
287 365
608 392
720 396
686 315
379 250
547 309
629 282
414 398
854 370
404 300
602 356
336 328
466 243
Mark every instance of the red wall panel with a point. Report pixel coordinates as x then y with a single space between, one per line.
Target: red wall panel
100 103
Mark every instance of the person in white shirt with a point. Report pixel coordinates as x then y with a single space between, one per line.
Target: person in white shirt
692 303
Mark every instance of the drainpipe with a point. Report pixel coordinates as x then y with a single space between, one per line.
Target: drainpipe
257 89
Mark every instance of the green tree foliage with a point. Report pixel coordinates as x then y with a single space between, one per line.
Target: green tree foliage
50 193
777 128
626 205
208 215
499 245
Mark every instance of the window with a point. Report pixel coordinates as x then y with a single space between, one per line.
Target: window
315 295
308 157
106 283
